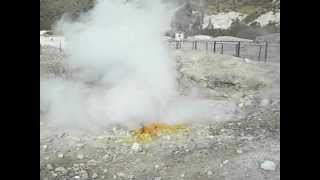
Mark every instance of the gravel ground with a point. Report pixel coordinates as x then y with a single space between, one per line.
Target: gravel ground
245 147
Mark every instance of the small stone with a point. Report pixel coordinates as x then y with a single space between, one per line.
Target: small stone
92 162
61 170
49 167
210 137
264 102
157 178
225 162
239 151
94 175
84 174
47 158
182 175
135 146
156 166
80 156
222 130
76 177
130 177
105 170
114 176
45 147
240 105
60 155
209 173
167 137
120 174
268 166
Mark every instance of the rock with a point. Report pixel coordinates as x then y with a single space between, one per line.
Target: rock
225 162
80 156
264 102
157 178
209 173
76 177
240 105
92 162
45 147
60 155
83 174
135 146
239 151
268 165
156 166
61 170
94 175
120 174
49 167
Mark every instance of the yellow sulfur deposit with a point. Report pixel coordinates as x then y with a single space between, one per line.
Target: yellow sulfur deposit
152 130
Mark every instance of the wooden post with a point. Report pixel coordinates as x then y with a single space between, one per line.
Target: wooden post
196 45
266 52
214 46
221 48
238 49
260 47
206 45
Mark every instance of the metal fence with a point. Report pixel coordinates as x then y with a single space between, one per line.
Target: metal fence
258 51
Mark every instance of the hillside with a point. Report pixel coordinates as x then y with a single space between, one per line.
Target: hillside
243 18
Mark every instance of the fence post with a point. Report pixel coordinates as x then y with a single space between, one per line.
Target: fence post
266 52
260 47
222 48
206 45
214 46
238 49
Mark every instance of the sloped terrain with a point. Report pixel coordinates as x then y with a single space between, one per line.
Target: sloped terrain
237 148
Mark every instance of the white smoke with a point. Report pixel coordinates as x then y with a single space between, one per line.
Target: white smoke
117 46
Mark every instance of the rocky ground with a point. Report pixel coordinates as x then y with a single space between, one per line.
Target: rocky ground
245 147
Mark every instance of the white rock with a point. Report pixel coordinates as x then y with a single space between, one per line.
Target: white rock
268 165
120 174
94 175
61 170
240 105
135 146
209 173
157 178
49 167
264 102
60 155
44 147
156 166
80 156
225 162
239 151
76 177
92 162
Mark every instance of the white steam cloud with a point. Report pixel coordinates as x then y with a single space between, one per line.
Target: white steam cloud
117 47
